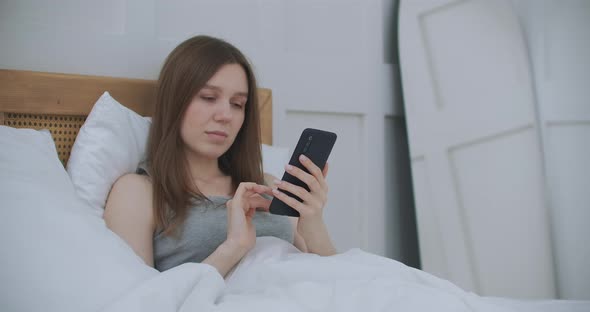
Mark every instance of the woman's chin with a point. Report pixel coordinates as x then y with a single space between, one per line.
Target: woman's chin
212 153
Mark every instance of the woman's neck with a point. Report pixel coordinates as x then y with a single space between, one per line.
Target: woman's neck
202 168
207 175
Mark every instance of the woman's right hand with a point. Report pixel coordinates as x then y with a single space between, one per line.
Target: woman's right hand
241 233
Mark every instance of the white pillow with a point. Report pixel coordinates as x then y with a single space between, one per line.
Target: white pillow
55 256
274 159
112 142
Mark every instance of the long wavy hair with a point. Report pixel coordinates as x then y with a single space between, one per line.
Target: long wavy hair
184 73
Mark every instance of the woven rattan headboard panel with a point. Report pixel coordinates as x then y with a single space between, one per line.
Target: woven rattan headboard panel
61 102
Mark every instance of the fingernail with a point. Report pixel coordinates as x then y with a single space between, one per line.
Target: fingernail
276 191
302 157
288 167
277 181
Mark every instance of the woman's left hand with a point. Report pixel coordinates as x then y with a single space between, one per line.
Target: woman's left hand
314 200
311 224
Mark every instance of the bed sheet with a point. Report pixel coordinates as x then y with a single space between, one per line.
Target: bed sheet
540 305
275 276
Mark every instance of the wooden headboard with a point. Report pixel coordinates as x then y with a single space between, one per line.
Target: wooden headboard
61 102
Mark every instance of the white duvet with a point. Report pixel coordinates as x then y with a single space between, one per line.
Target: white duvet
58 256
275 276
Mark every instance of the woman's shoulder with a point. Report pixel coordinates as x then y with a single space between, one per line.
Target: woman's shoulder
129 213
133 193
134 182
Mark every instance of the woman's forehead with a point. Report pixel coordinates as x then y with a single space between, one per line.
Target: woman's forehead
230 78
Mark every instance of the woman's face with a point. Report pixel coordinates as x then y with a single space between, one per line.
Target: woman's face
216 113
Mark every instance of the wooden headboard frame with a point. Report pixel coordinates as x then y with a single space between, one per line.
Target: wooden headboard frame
61 102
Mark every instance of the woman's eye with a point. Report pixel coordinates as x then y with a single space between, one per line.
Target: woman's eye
208 98
238 105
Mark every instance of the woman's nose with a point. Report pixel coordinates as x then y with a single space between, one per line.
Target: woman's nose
224 112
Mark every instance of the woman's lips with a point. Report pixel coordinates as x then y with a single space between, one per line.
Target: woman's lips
217 136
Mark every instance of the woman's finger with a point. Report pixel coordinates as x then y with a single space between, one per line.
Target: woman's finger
259 202
325 171
250 188
314 170
250 212
290 201
296 190
305 177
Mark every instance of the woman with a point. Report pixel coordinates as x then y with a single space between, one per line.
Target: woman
200 196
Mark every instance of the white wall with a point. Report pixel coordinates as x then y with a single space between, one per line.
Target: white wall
558 36
329 64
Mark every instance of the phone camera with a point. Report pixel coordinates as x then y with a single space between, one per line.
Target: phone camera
306 147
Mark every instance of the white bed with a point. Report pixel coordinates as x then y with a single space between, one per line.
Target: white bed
58 254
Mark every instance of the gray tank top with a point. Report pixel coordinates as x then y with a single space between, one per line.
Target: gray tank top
205 228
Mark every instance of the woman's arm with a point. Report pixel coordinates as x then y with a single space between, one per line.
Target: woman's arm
310 225
316 238
129 213
298 240
225 257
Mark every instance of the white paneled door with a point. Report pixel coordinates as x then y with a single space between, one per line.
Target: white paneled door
476 155
559 44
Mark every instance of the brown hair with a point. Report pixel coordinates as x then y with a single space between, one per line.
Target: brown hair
184 73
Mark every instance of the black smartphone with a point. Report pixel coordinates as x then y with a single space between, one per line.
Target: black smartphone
316 145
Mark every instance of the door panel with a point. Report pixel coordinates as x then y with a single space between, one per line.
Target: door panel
557 33
474 144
